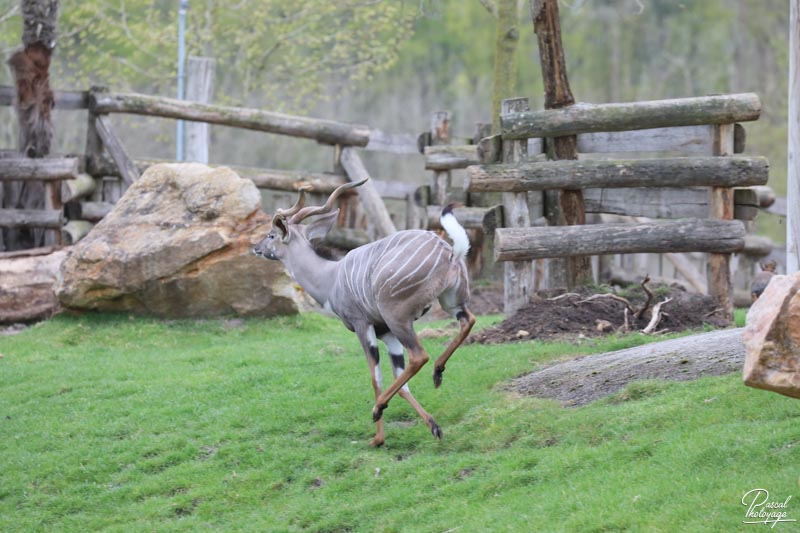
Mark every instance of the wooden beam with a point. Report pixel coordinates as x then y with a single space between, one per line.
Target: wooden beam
127 168
323 131
290 180
518 276
63 99
451 157
588 118
346 238
81 185
370 199
31 218
687 140
734 171
395 190
75 230
758 246
440 135
393 143
720 284
44 169
490 149
686 235
92 211
690 202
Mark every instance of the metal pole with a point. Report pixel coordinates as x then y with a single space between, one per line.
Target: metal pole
184 5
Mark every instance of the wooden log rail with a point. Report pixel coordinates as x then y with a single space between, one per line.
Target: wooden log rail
31 218
653 202
322 131
41 169
451 157
734 171
687 235
63 99
587 118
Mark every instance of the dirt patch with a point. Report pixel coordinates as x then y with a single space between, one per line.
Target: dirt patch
557 315
583 380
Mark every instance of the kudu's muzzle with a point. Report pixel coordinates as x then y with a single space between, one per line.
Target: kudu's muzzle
262 251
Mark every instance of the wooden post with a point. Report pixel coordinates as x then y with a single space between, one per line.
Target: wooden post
793 178
52 201
558 94
199 88
127 168
94 144
440 134
719 264
370 199
518 275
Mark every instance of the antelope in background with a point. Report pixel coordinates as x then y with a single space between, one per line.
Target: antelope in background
378 290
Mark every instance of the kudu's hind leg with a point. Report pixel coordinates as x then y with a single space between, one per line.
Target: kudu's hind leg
370 344
466 320
417 357
398 365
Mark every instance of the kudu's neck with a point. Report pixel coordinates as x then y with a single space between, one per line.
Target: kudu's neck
314 273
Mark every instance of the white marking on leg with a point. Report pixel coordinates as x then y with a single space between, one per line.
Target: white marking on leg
378 377
395 349
371 338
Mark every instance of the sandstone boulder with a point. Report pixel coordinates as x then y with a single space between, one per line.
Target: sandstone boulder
178 244
772 338
26 284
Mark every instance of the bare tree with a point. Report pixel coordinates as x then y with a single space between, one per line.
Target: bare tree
34 103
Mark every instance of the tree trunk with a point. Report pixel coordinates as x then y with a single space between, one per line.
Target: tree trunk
569 207
34 102
504 79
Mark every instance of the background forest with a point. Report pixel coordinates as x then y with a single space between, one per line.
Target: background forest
389 64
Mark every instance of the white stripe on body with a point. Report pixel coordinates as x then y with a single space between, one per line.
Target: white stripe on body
419 265
404 265
388 261
396 290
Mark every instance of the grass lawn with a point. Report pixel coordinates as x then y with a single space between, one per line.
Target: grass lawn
132 424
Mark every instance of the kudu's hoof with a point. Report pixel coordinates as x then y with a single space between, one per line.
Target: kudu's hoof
376 442
435 429
437 377
377 412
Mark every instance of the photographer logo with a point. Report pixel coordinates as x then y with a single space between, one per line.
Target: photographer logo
762 510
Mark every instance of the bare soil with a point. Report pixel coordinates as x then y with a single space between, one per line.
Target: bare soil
586 379
547 317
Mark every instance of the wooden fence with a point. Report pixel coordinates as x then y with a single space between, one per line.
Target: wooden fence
91 183
703 131
712 192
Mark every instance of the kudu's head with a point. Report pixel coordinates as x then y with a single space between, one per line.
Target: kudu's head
287 232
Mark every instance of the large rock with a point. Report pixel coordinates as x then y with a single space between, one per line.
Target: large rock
178 244
772 338
26 284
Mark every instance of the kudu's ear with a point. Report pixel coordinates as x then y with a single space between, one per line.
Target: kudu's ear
321 226
280 223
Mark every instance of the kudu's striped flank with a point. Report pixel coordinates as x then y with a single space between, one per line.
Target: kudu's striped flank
379 290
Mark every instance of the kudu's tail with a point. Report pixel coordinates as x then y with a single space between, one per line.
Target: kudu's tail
455 231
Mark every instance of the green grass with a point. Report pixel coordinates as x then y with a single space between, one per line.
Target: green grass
131 424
